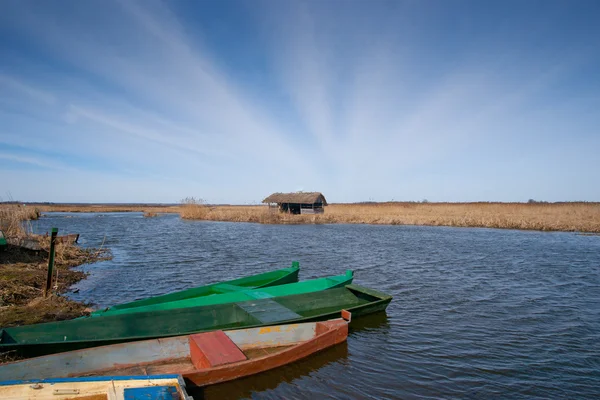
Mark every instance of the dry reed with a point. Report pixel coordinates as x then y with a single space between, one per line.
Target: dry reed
12 217
23 274
575 217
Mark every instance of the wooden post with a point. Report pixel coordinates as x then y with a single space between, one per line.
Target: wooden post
50 262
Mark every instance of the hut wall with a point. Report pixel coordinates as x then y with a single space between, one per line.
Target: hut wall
312 210
301 208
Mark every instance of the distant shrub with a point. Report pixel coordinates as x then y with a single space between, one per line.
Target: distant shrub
193 208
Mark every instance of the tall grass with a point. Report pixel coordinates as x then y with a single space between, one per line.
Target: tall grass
192 208
578 217
12 217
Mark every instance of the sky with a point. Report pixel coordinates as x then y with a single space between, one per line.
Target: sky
230 101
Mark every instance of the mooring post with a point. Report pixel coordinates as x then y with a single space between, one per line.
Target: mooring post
50 261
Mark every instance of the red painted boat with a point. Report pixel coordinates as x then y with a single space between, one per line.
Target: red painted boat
203 358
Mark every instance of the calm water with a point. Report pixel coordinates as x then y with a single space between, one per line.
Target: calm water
477 313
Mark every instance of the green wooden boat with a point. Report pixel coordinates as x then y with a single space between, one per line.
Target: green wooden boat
272 278
54 337
236 295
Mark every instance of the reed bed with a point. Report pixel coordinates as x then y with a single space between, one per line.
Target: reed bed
23 273
13 217
571 217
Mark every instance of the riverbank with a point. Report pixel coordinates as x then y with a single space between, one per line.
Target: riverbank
23 277
569 217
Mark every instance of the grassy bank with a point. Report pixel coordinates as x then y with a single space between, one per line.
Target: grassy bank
23 278
23 273
13 216
573 217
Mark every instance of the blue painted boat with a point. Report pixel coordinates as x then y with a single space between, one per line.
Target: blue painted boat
139 387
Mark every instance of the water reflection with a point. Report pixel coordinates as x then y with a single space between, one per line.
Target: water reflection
378 322
245 387
335 358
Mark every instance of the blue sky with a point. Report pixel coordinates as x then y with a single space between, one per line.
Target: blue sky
229 101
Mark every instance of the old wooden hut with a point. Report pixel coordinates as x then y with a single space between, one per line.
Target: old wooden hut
298 203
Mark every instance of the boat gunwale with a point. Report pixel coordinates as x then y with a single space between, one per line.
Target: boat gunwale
329 282
333 326
282 275
181 389
319 317
88 378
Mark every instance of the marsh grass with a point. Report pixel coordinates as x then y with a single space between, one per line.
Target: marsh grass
23 274
13 219
577 217
573 217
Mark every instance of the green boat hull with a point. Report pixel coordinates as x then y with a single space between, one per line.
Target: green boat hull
235 295
272 278
54 337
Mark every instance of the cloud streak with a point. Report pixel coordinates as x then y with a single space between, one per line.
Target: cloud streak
346 101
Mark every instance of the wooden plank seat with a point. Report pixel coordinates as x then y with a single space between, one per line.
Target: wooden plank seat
151 393
211 349
268 311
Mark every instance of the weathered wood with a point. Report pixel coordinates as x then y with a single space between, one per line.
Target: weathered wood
68 239
208 358
312 211
25 243
50 262
96 388
212 349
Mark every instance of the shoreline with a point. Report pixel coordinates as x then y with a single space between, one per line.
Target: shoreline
23 276
559 217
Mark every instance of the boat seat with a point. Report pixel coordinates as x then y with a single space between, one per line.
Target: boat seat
151 393
227 288
211 349
259 295
268 311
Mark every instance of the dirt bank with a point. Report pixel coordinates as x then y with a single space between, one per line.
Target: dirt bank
23 277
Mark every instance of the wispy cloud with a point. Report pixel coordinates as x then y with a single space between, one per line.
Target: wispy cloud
38 162
360 102
19 87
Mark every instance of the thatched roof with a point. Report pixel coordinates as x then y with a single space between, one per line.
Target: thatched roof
299 198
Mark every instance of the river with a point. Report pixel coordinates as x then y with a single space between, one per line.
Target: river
477 313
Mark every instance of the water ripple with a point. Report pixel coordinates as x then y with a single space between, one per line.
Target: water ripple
477 313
